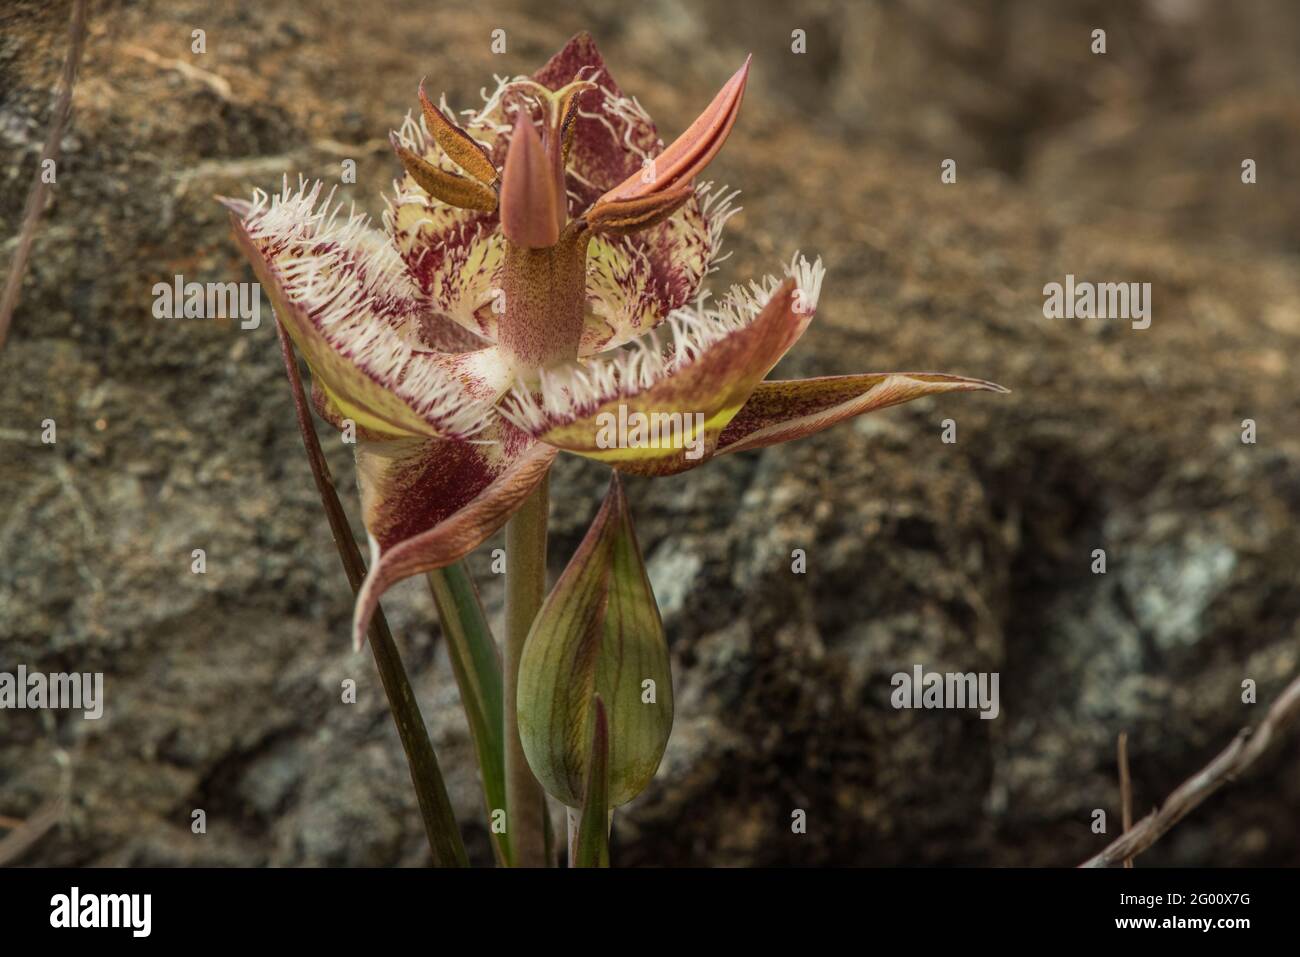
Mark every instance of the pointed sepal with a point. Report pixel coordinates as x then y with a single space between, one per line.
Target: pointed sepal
428 503
780 411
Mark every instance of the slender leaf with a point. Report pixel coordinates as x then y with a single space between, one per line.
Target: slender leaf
476 661
593 828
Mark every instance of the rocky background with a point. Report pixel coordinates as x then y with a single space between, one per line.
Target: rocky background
223 689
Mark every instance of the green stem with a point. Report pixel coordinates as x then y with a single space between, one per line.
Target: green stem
525 590
430 791
573 817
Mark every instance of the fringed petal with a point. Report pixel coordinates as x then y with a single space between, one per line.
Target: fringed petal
343 295
659 407
634 282
453 255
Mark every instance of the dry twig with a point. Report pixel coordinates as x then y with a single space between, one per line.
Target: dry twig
214 82
1245 750
1125 788
25 835
36 195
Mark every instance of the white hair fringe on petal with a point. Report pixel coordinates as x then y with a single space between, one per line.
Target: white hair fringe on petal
355 290
577 390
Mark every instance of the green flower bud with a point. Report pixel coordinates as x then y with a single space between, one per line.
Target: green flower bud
598 633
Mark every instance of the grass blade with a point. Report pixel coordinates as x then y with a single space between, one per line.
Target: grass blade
476 661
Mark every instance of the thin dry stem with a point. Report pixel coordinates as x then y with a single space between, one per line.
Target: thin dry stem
36 195
1245 749
1125 788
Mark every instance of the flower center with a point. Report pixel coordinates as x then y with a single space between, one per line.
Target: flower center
545 270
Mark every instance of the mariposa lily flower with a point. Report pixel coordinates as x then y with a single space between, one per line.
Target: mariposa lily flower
539 275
